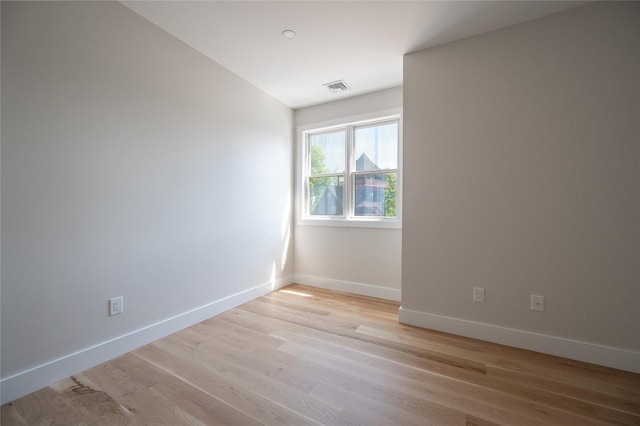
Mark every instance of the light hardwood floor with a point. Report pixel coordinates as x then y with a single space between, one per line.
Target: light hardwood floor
307 356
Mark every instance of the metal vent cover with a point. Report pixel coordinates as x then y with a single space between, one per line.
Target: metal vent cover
337 86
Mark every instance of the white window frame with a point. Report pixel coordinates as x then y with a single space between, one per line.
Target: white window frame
348 219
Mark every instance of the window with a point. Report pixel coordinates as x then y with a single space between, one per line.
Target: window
350 174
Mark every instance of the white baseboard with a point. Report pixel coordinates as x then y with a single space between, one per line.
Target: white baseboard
35 378
349 287
578 350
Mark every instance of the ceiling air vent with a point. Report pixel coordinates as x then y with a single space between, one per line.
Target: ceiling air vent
337 86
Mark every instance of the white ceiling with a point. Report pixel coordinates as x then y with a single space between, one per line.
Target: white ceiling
361 42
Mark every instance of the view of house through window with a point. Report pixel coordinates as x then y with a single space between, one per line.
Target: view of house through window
352 171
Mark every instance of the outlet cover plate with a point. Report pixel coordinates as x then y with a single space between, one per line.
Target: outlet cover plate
478 294
537 303
116 306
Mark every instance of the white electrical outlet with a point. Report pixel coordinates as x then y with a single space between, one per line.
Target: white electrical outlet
537 303
116 306
478 294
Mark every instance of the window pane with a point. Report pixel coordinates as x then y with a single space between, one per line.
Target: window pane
326 196
327 153
375 194
376 147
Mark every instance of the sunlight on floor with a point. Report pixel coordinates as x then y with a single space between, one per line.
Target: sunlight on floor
296 293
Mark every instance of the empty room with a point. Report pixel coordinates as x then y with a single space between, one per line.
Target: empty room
320 213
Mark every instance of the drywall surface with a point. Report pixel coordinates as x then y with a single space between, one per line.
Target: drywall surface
350 107
132 166
522 176
357 260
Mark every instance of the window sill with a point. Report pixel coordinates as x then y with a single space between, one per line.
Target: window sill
352 223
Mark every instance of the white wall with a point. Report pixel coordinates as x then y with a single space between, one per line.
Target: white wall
522 176
132 166
357 260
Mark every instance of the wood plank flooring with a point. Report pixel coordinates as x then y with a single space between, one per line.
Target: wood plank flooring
307 356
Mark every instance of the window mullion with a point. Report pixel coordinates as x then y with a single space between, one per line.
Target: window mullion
374 172
349 173
308 175
326 175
